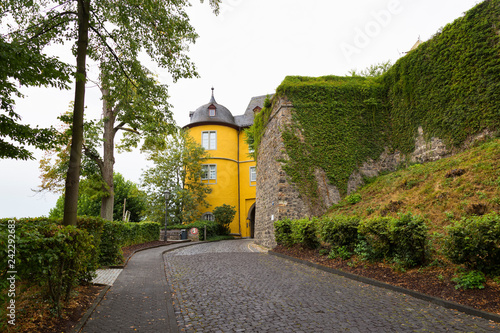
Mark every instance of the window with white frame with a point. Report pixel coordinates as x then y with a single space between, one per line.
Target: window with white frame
209 172
253 174
209 140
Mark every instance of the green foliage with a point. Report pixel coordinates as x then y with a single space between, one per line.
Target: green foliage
353 198
55 257
409 237
283 232
403 240
27 66
178 169
304 233
475 242
116 235
339 230
224 215
448 84
341 252
89 200
373 71
376 233
338 123
470 280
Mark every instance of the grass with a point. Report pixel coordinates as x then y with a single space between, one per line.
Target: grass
425 189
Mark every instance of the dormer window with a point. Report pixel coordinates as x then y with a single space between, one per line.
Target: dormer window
211 110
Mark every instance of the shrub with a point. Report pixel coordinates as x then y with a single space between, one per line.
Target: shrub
470 280
375 232
475 242
283 232
353 198
304 232
341 252
116 235
55 257
402 240
339 230
409 240
224 215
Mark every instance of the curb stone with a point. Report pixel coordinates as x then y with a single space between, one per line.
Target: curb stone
78 327
438 301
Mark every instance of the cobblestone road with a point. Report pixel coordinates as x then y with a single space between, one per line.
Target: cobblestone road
224 287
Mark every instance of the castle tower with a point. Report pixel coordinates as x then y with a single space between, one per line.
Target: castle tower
230 171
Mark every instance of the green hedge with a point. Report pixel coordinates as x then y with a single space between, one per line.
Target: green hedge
290 232
283 232
403 240
339 230
116 235
475 242
55 257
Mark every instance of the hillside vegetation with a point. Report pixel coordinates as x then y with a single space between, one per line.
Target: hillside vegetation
448 87
444 191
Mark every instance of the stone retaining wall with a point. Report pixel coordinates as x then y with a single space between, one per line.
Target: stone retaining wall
277 198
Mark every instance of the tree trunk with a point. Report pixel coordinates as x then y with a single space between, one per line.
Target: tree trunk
75 159
107 202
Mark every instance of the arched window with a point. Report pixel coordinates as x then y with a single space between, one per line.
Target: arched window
208 217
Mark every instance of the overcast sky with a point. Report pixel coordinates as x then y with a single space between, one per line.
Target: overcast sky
245 51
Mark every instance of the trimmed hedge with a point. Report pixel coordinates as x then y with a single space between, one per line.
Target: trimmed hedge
59 257
403 240
290 232
475 242
53 256
339 230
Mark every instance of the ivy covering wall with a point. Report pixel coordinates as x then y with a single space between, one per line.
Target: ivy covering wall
449 85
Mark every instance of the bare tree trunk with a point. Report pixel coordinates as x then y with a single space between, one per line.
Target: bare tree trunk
107 202
75 159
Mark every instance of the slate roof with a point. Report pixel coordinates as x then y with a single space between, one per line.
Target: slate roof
246 120
223 116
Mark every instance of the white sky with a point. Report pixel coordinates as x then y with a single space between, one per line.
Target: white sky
245 51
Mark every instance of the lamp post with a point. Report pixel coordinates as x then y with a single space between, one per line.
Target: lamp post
167 196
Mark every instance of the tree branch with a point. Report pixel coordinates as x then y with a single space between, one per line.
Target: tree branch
94 157
114 55
129 130
44 31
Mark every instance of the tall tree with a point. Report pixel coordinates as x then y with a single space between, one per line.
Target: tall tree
160 28
89 200
24 65
177 169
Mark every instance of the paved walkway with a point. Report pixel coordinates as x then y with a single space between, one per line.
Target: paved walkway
139 300
107 276
223 287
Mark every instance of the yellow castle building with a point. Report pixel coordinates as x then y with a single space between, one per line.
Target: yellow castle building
231 170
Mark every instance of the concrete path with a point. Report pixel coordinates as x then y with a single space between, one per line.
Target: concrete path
107 276
139 300
224 287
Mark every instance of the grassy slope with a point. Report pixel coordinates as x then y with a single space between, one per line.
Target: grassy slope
425 190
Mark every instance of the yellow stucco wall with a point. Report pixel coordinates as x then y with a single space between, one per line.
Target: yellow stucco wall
233 161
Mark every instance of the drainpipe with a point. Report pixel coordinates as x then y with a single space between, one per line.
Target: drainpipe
239 194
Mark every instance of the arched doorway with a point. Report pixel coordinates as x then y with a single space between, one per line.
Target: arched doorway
251 218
